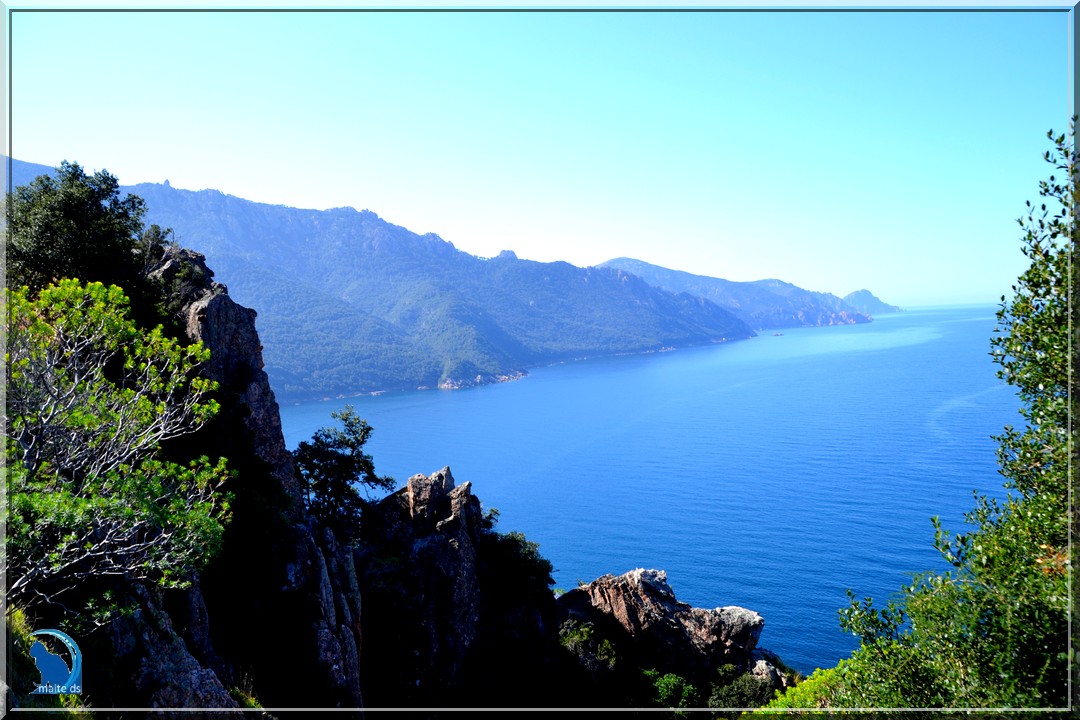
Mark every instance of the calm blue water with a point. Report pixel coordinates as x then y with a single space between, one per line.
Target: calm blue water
771 473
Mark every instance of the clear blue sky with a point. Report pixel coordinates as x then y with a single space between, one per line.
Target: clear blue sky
835 150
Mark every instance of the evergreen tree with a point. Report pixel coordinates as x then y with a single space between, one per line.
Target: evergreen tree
331 466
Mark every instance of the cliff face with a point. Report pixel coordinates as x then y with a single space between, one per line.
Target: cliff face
277 613
208 315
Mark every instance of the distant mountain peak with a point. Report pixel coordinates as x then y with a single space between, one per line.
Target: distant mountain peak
762 304
866 302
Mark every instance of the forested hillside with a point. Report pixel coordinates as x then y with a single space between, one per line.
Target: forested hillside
351 303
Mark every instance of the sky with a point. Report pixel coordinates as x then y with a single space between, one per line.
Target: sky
884 150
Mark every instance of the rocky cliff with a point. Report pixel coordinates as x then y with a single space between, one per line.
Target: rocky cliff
455 613
434 526
276 615
685 639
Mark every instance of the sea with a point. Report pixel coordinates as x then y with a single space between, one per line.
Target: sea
772 473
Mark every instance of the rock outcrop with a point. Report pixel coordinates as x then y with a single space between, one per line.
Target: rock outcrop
157 665
687 639
639 616
431 529
208 315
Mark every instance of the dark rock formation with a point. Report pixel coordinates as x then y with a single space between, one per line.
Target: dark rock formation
277 612
430 532
207 314
154 664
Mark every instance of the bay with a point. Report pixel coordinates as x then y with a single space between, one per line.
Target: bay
771 473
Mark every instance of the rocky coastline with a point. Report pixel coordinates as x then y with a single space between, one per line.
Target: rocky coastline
431 607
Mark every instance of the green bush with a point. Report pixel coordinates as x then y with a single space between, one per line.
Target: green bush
90 400
672 691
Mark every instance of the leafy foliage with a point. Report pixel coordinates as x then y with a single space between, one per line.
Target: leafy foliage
992 631
671 690
72 225
743 691
89 392
331 465
90 399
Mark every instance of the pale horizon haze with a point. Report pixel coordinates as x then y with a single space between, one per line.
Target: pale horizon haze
837 150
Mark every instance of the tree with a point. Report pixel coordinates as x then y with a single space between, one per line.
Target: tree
993 631
90 399
87 391
73 225
330 467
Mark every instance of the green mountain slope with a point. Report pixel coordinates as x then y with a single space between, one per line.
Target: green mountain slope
350 303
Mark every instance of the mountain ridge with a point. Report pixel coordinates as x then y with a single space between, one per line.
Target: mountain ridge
350 303
763 304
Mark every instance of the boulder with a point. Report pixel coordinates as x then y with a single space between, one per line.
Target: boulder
679 638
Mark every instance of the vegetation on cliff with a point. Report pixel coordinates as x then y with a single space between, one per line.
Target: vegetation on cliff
993 632
107 509
454 613
91 398
331 466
